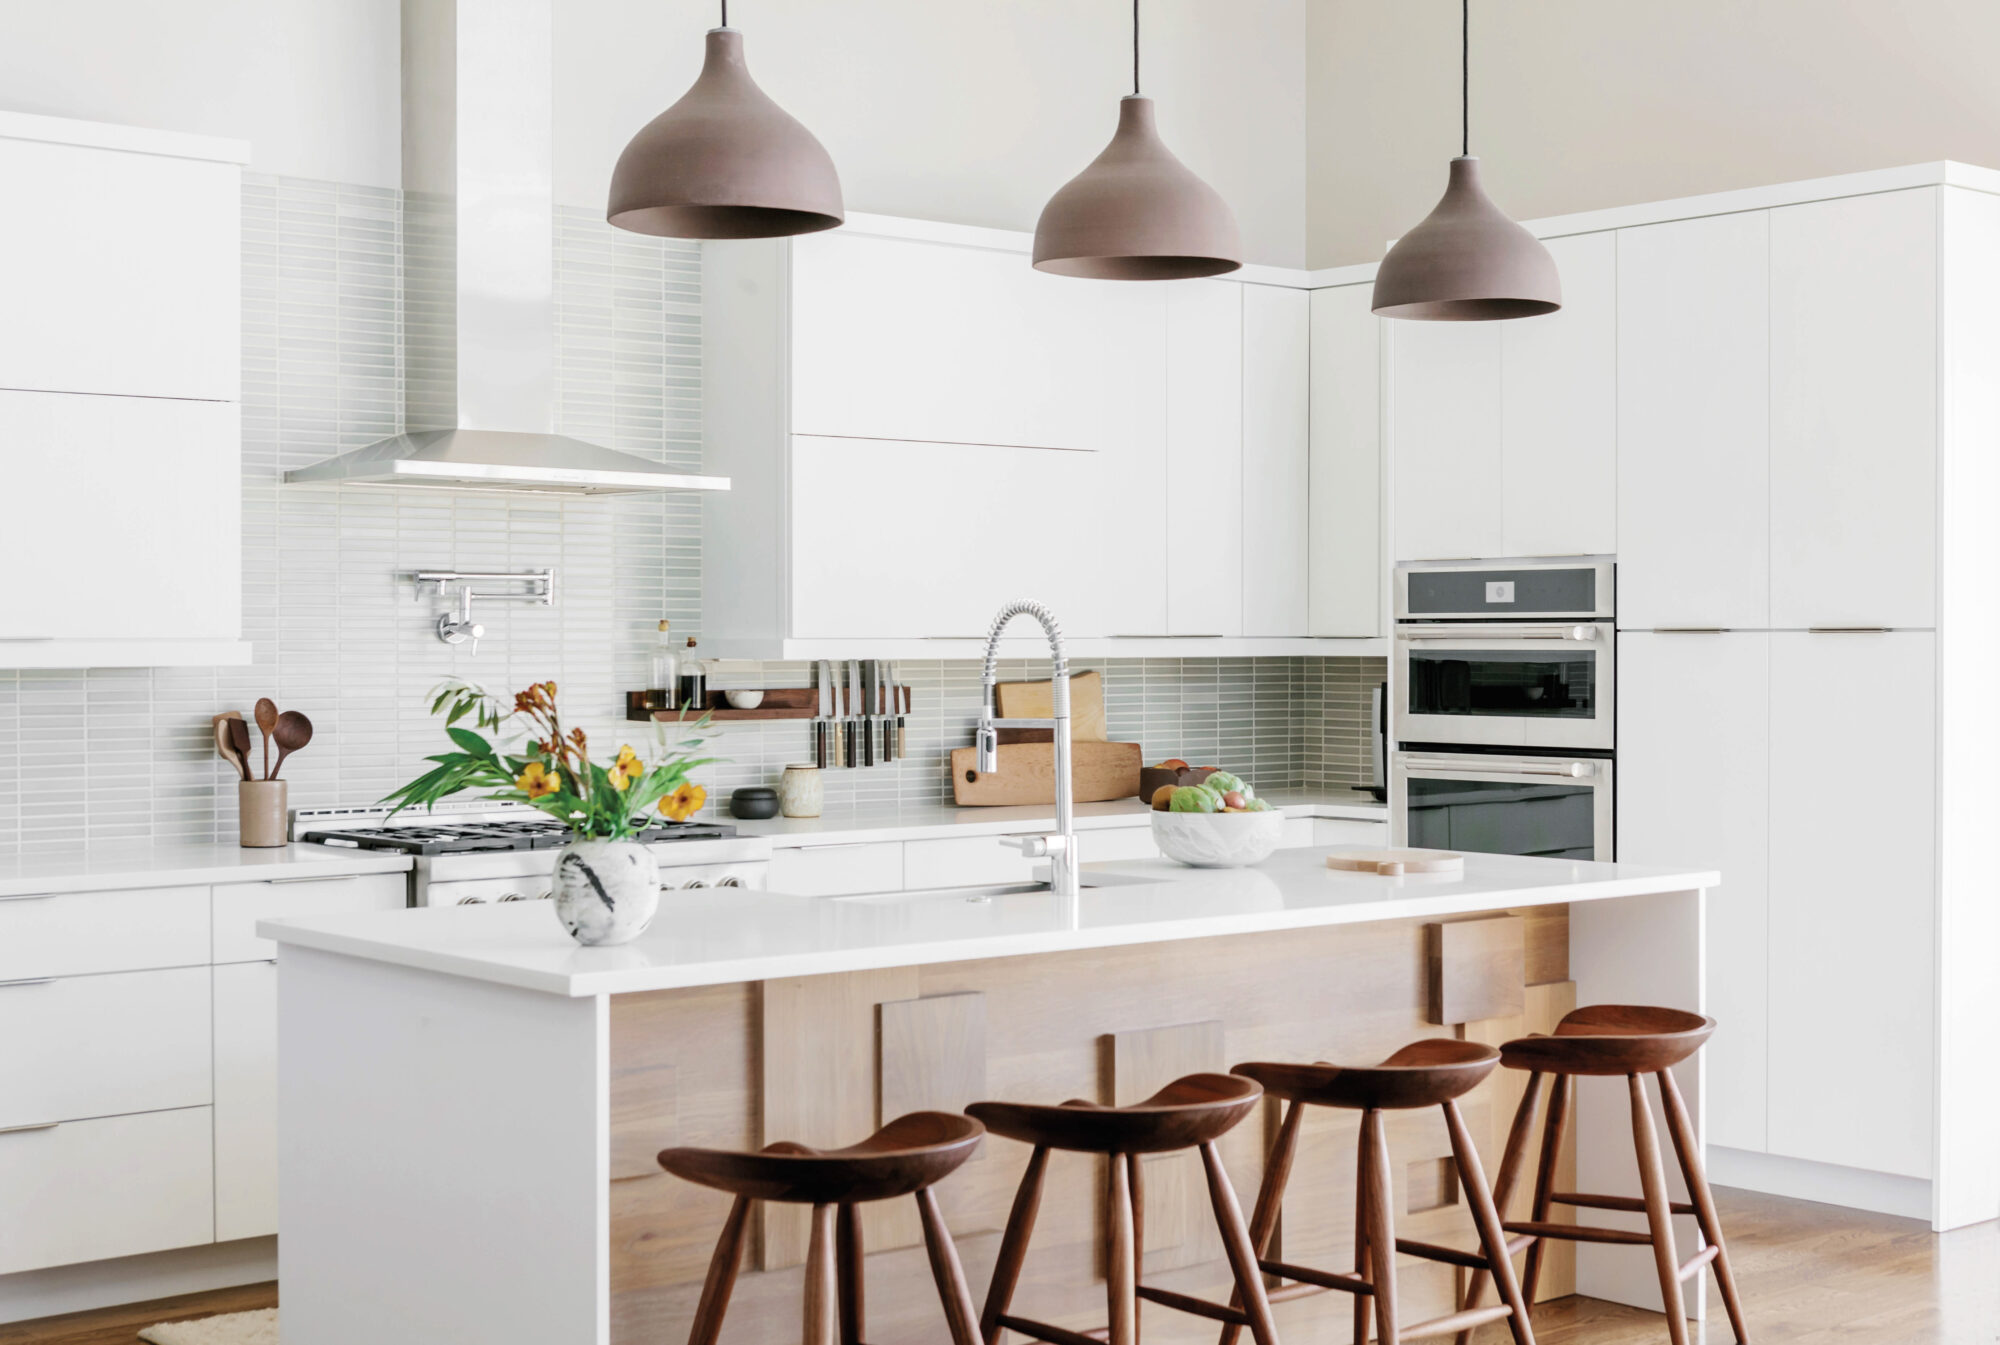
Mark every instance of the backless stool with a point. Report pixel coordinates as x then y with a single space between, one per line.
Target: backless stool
906 1157
1189 1113
1632 1040
1430 1073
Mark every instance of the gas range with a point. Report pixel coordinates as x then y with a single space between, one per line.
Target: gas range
471 853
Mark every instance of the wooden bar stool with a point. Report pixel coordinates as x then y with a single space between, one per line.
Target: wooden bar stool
906 1157
1189 1113
1430 1073
1632 1040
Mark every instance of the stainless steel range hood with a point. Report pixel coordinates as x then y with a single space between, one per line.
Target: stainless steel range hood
479 271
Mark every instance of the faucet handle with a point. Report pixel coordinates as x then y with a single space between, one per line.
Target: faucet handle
1032 847
987 741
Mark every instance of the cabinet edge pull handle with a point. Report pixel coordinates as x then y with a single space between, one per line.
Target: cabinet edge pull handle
1691 630
28 980
31 896
316 878
28 1129
1849 630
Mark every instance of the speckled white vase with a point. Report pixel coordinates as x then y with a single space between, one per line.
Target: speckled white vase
606 891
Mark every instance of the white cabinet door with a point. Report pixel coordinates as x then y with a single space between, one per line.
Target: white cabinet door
1559 411
1276 470
1444 438
840 869
920 540
1345 588
126 521
893 339
246 1100
82 1046
117 1186
1853 898
1854 392
1694 792
239 906
119 273
1203 553
1694 420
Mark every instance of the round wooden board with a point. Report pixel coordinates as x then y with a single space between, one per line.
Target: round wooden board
1392 862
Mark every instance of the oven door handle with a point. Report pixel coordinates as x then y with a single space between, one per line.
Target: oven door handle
1576 633
1568 770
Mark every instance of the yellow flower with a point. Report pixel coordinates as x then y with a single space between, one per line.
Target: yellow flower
536 781
628 763
618 779
684 802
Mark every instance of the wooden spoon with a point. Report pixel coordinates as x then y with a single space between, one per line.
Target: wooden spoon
223 747
239 742
267 719
294 731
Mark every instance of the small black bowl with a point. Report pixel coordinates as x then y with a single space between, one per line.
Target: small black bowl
754 803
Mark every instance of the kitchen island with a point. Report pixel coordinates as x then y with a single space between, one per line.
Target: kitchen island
470 1105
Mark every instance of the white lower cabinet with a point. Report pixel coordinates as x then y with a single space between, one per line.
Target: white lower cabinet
115 1186
838 869
1694 787
239 906
1348 831
82 1046
77 933
246 1100
1853 898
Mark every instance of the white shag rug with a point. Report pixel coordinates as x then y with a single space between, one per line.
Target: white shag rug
235 1328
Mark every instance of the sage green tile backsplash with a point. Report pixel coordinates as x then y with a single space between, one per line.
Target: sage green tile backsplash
110 755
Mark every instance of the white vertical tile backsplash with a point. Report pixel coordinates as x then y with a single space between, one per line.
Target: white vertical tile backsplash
125 754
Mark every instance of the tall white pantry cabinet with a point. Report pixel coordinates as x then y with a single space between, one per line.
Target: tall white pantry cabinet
1808 467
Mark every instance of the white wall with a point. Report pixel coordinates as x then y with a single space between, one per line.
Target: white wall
971 111
311 83
1580 104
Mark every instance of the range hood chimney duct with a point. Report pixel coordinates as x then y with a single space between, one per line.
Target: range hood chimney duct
479 270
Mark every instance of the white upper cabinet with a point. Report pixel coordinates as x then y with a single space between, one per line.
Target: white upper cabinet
1202 553
1346 592
1694 415
118 270
1444 432
1559 411
1276 470
1694 759
930 342
1854 392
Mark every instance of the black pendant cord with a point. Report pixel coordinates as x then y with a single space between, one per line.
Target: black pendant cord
1135 48
725 13
1464 78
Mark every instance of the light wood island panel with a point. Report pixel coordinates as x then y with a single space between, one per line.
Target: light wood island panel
824 1059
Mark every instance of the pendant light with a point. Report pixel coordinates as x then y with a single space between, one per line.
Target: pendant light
1137 212
725 161
1467 262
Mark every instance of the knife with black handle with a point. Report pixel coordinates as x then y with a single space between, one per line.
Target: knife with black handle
823 725
867 712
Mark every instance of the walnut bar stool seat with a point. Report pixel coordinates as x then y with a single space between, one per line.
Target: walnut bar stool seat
904 1158
1435 1072
1632 1040
1189 1113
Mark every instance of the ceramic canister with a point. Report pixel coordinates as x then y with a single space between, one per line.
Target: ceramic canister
801 792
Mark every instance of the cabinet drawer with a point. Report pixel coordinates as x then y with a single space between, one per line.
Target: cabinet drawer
76 933
1298 834
838 870
1117 843
239 906
246 1101
89 1190
1348 831
86 1046
962 861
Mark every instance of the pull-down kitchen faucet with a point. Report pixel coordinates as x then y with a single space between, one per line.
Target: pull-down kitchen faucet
1059 849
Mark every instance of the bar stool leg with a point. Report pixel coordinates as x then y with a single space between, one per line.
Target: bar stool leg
1503 1189
1562 1096
1135 1177
821 1324
847 1258
1270 1200
1361 1304
1659 1212
961 1318
1121 1277
1381 1225
1236 1243
1682 1129
1472 1177
722 1268
1013 1247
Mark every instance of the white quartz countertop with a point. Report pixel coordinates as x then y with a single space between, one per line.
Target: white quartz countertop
931 821
96 868
718 936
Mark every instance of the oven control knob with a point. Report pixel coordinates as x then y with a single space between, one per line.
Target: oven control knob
472 901
512 896
544 896
731 881
695 882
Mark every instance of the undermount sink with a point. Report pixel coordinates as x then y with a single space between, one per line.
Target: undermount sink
988 891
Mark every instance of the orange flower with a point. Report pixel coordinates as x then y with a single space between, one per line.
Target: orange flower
684 802
536 781
628 763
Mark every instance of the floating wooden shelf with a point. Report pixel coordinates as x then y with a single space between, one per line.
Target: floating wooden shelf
782 703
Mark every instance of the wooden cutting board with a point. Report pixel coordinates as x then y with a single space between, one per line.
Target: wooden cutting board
1027 774
1393 862
1032 700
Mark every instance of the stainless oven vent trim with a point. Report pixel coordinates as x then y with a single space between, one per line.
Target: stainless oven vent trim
1602 585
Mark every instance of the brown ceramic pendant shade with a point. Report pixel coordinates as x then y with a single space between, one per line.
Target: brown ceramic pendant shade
1467 262
1137 213
725 162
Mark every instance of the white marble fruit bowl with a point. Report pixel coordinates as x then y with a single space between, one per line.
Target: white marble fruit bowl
1218 840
